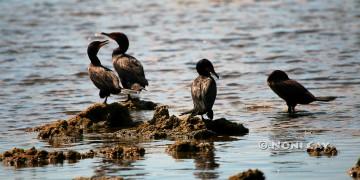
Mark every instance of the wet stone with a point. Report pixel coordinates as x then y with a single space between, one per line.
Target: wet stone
251 174
162 125
190 146
33 157
321 150
354 172
137 104
122 152
97 117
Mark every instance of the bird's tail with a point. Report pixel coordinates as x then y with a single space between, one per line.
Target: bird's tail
325 98
187 112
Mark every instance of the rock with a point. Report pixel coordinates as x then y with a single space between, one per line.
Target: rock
320 150
249 175
137 104
354 172
190 146
162 125
33 157
97 117
202 152
225 127
122 152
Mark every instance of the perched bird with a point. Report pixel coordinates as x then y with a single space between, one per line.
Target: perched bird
203 90
129 69
292 91
102 77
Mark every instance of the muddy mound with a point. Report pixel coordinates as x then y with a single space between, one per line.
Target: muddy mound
354 172
137 104
33 157
249 175
163 126
96 117
321 150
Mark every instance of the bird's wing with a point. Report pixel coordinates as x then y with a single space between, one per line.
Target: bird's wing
203 92
104 78
209 91
131 69
291 89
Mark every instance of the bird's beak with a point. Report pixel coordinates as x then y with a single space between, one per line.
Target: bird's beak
215 74
103 43
107 35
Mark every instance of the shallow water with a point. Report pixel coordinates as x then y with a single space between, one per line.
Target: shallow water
43 77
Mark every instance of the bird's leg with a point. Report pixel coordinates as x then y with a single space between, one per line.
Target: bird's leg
128 98
289 109
105 99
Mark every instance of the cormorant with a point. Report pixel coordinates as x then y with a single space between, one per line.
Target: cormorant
102 77
292 91
129 69
203 90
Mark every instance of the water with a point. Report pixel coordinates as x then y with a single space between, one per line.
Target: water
43 77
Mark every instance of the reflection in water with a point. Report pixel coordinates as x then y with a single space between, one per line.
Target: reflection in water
205 163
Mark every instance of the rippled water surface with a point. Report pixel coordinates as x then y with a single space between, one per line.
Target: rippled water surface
43 77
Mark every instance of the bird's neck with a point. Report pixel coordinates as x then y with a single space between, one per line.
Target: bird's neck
204 73
94 60
119 51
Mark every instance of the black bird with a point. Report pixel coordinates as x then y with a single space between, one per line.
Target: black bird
203 90
129 69
102 77
292 91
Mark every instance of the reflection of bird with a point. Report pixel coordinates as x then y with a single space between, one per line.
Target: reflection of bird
102 77
292 91
203 90
129 69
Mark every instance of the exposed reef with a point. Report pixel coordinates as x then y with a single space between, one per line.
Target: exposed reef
184 147
354 172
122 152
97 117
250 174
34 157
137 104
321 150
162 126
202 153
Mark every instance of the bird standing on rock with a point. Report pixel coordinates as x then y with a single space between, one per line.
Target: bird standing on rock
102 77
203 90
129 69
292 91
